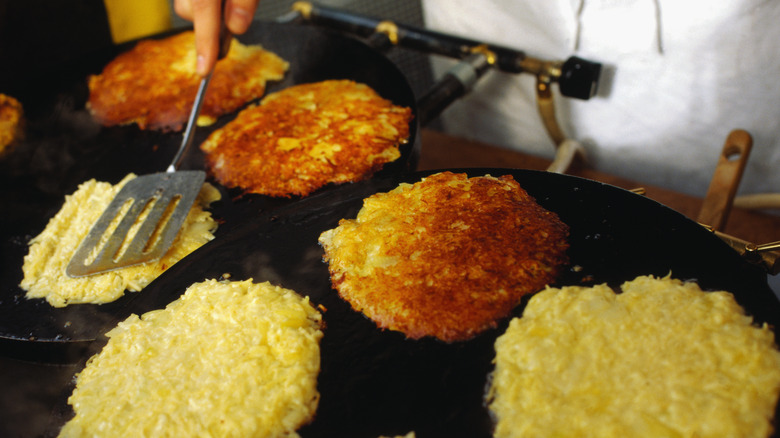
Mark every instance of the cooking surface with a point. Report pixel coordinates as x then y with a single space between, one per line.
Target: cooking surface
65 147
375 382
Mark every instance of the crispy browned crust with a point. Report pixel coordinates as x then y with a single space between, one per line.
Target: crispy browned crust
11 122
154 84
306 136
446 257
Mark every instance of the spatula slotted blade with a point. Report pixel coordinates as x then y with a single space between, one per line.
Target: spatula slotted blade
158 205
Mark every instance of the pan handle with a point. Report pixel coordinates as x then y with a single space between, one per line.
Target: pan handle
576 77
725 181
456 83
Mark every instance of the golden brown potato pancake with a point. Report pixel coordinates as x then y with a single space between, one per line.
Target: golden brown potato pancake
447 256
154 84
11 121
300 139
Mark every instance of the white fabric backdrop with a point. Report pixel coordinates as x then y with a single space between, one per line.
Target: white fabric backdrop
679 76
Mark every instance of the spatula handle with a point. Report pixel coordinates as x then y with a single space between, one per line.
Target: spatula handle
225 36
224 46
188 137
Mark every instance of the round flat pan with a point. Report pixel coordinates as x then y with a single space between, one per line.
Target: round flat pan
64 147
375 382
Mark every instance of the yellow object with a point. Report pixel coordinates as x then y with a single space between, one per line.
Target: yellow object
51 251
226 359
133 19
662 359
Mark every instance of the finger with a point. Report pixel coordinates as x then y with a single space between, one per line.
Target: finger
206 18
183 8
239 15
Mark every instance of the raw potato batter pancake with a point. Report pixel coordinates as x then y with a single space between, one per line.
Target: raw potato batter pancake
227 359
11 121
445 257
662 359
51 251
304 137
154 84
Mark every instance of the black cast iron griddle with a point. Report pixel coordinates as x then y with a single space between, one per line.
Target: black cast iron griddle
64 147
372 382
375 382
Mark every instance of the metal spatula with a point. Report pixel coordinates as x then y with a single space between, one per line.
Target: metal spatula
155 206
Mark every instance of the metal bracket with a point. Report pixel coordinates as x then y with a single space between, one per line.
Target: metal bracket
767 255
576 77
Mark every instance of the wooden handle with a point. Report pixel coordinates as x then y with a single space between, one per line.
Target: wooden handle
728 173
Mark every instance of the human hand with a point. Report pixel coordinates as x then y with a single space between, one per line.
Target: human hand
206 16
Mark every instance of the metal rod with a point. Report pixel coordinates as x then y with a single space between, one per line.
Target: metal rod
186 141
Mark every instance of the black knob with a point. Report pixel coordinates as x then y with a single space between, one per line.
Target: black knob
579 78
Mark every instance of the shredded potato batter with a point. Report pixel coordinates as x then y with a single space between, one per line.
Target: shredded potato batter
662 359
51 251
227 359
